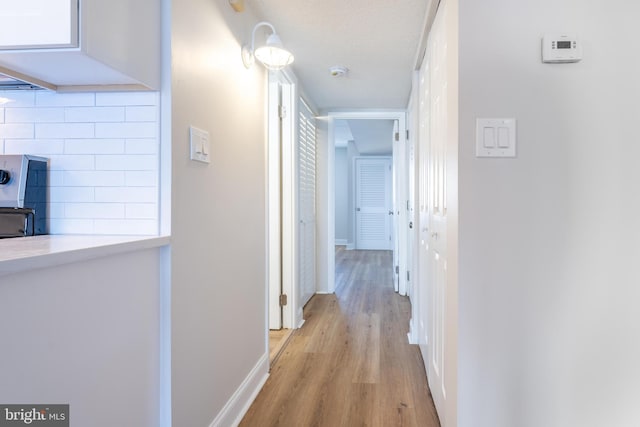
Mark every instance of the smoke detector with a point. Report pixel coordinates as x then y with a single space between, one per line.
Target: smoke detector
338 71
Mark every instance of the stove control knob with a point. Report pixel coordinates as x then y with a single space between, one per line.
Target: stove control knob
4 177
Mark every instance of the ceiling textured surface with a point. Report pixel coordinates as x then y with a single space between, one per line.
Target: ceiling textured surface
376 40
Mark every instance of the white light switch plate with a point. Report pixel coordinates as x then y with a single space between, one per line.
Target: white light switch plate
199 145
495 137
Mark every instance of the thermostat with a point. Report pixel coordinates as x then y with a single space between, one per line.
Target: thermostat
561 48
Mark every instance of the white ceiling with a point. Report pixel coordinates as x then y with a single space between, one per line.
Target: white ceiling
371 137
341 133
376 39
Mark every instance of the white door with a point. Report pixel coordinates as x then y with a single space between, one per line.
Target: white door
396 210
373 203
440 290
306 202
424 192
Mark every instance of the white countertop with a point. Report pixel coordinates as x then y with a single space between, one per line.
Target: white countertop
27 253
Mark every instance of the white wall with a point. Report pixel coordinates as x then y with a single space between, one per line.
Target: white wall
85 334
218 215
325 241
342 195
549 240
352 152
103 156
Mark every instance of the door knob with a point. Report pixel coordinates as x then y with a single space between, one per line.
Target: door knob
411 224
357 209
434 235
390 212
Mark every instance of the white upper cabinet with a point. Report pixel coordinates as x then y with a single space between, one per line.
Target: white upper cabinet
82 44
38 24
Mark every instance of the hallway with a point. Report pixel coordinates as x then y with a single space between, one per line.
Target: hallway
350 364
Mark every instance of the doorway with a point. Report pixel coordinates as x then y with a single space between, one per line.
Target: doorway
291 207
329 191
281 264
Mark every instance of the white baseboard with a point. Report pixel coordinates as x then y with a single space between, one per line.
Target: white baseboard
239 404
411 335
341 242
351 246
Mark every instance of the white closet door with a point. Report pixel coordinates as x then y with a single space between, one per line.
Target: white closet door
373 203
307 202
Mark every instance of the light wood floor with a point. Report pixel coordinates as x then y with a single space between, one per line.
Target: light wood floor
350 364
277 341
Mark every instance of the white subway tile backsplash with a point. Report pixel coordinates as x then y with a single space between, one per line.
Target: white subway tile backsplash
55 178
69 163
94 114
142 227
127 98
33 115
94 146
127 130
65 130
142 146
53 99
71 194
94 178
71 226
141 211
103 151
40 147
17 131
141 178
55 210
18 98
126 194
95 210
142 114
127 162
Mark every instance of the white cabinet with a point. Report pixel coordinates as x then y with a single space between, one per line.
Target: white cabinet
82 44
38 24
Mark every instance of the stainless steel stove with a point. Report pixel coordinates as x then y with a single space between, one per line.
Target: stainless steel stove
23 195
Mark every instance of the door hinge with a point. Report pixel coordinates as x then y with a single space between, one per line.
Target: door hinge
282 111
397 136
283 300
407 134
408 276
397 269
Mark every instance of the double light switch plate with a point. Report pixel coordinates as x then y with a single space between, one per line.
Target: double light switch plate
496 138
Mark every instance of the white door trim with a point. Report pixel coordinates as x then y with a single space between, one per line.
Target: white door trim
326 175
287 233
274 248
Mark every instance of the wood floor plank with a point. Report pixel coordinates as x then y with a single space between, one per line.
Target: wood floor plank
350 364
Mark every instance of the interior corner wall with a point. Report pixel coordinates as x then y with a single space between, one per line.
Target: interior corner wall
325 243
548 244
342 195
217 212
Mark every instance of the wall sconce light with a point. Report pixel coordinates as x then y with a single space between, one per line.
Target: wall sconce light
272 54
